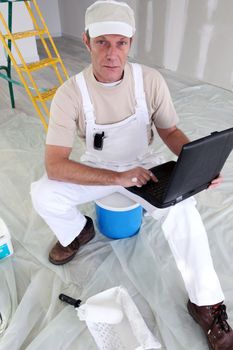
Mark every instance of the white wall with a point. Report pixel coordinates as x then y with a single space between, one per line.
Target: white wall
192 37
72 14
21 22
51 14
207 47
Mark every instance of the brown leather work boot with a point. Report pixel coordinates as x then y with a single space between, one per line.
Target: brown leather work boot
213 321
60 255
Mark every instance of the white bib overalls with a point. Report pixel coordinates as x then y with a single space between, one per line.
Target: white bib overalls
125 145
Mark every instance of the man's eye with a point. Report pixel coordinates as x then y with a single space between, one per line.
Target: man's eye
122 43
101 42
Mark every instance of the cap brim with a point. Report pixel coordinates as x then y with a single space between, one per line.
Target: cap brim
104 28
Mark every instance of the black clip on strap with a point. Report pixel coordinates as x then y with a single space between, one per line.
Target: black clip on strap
74 302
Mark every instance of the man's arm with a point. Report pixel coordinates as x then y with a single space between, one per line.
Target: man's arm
174 138
59 167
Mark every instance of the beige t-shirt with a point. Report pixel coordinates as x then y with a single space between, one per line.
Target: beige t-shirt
111 105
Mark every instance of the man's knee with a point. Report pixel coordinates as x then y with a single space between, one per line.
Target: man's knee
43 196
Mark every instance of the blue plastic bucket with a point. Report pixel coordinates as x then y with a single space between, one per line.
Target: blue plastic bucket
118 216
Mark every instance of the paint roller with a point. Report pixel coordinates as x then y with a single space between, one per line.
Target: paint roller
103 313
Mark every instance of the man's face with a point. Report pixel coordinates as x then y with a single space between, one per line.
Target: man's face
108 55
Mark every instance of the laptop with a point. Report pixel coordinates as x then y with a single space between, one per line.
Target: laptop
199 162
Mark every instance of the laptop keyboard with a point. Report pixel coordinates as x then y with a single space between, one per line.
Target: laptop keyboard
157 189
154 192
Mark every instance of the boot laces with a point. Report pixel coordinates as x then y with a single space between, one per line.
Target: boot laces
220 318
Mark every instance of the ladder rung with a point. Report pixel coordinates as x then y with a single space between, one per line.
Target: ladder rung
26 34
47 95
11 0
40 64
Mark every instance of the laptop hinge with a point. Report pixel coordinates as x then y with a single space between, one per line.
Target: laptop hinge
179 199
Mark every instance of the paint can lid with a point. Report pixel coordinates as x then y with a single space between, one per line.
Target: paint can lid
116 202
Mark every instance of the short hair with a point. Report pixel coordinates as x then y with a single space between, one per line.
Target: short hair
87 35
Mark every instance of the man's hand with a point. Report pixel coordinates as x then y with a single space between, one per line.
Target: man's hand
216 182
135 177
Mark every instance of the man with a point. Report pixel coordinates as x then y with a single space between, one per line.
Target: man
112 105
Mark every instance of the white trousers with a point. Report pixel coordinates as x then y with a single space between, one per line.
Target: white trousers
56 202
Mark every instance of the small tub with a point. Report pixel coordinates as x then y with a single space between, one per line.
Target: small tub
118 216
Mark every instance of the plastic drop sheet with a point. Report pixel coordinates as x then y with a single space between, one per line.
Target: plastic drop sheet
33 318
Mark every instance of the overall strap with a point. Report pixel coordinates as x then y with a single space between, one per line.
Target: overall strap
139 90
87 105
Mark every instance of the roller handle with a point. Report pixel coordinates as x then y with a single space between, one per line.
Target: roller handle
69 300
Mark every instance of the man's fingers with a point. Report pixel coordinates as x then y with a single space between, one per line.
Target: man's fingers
143 178
216 182
140 176
153 177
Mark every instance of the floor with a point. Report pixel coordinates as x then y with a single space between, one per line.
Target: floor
32 315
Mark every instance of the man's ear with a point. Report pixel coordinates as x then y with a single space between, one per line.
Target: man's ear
86 41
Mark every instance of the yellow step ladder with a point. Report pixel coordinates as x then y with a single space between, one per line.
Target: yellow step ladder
39 96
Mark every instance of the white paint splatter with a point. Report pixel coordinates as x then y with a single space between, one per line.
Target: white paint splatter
212 6
176 20
206 35
149 21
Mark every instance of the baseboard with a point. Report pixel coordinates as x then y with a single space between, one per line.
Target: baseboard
69 36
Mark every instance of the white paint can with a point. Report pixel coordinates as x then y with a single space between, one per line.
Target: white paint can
6 248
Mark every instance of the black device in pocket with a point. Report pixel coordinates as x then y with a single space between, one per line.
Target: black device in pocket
99 141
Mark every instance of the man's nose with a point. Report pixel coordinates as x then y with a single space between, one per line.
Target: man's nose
111 52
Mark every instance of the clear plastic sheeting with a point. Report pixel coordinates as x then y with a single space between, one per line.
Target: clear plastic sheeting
33 318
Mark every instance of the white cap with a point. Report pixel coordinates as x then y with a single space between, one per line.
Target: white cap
109 17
